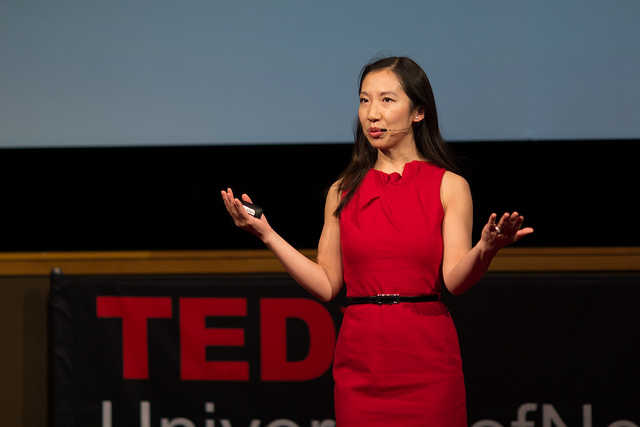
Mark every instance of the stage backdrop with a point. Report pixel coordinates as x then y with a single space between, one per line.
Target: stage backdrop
538 350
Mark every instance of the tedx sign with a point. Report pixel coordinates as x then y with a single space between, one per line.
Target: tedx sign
256 351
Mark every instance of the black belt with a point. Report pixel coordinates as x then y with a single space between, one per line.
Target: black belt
390 299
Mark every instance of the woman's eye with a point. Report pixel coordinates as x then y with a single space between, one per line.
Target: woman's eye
363 100
387 100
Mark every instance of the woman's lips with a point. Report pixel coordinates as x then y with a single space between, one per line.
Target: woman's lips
375 132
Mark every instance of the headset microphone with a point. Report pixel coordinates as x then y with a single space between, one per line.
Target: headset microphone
394 130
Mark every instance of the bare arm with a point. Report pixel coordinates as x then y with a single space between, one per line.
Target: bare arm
462 264
322 278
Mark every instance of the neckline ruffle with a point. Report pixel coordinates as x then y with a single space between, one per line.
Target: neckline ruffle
409 172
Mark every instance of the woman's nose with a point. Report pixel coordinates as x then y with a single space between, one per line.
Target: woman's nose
374 112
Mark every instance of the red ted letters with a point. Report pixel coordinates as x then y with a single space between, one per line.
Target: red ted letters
195 337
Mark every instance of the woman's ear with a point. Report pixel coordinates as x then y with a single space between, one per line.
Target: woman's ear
418 115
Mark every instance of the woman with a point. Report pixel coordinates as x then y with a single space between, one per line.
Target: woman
397 225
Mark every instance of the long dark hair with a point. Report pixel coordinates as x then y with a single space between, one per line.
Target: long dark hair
426 132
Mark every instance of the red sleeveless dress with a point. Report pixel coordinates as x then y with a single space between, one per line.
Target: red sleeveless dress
397 365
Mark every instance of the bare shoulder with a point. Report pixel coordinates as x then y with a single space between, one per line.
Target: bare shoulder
451 179
333 197
335 187
454 188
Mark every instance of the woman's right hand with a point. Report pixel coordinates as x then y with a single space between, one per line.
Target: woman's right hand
259 227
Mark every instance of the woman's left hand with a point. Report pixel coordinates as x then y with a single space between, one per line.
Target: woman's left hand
507 230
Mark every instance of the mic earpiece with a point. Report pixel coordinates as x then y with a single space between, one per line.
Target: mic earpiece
395 130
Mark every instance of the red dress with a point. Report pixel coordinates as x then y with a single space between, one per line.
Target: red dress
397 365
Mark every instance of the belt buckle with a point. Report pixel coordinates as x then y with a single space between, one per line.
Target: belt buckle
387 299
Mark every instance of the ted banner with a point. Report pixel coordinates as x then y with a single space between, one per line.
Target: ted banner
256 351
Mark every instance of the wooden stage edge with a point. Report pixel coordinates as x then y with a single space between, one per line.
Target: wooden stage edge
566 259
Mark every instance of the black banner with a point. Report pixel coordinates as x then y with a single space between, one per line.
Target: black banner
538 350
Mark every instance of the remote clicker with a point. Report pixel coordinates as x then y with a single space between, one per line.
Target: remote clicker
253 210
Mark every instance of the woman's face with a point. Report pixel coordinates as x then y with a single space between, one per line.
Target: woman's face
385 105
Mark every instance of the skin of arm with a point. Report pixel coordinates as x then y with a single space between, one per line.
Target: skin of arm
462 264
322 278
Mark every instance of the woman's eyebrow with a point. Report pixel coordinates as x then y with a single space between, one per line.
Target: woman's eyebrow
388 92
